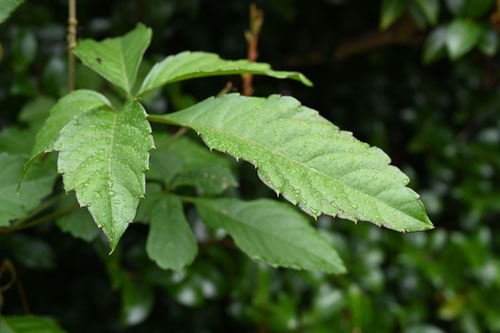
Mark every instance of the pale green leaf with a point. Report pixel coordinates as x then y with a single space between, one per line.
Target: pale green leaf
488 44
307 158
137 301
430 9
28 324
391 10
116 59
77 221
271 232
67 108
7 7
171 243
103 156
461 37
190 65
37 185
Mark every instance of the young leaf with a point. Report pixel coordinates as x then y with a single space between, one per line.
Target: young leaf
116 59
461 37
307 158
271 232
103 156
190 65
171 243
78 222
7 7
68 107
391 10
38 184
28 324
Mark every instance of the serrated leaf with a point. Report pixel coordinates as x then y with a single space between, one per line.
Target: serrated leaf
78 222
103 156
28 324
307 158
190 65
391 10
38 184
430 9
461 37
212 179
435 45
116 59
271 232
7 7
66 108
171 243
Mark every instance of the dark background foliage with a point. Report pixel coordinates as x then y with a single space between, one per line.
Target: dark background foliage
439 123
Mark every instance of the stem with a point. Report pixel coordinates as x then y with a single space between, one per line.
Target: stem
40 209
256 20
72 23
176 136
40 220
187 199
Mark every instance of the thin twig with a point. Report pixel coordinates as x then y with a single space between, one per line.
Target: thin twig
176 136
72 23
45 218
37 211
252 36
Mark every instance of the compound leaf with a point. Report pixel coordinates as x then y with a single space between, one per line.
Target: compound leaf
191 65
67 108
116 59
171 243
307 158
271 232
103 156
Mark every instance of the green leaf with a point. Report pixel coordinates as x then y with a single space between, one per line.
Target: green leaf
191 65
308 159
391 10
461 37
488 44
271 232
212 179
116 59
153 194
137 301
103 156
430 9
185 162
435 45
477 8
7 7
28 324
67 108
38 184
24 49
36 111
171 243
78 222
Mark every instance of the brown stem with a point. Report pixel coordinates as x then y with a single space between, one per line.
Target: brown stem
72 23
252 36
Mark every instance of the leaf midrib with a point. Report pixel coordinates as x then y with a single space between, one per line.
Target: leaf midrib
305 166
